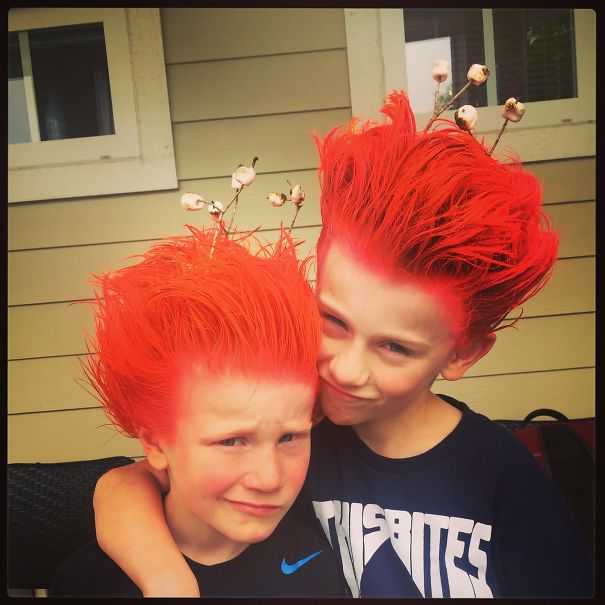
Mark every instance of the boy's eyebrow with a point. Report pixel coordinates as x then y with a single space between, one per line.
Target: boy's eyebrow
250 428
420 345
404 340
329 306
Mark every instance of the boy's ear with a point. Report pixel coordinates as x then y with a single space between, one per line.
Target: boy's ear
153 449
467 356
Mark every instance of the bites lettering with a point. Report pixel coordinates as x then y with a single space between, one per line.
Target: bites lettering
360 530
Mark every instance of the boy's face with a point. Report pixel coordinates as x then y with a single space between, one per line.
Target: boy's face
237 458
383 343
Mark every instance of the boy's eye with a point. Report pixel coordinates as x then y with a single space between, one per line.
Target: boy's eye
299 437
334 320
393 347
231 441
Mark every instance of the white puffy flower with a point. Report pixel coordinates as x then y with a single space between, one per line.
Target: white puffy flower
297 194
466 117
477 74
277 199
440 70
192 201
215 210
513 110
244 175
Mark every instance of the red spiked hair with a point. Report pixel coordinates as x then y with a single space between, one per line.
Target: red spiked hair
252 314
434 205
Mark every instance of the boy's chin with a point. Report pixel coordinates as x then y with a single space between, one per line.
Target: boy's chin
255 530
253 535
339 414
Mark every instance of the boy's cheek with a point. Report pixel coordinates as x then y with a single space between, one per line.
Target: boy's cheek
298 471
216 482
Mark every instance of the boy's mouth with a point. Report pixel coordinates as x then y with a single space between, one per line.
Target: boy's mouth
339 393
256 510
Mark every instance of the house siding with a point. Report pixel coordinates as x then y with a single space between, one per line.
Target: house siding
245 83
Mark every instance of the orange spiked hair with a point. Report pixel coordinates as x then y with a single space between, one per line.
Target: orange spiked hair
179 309
434 205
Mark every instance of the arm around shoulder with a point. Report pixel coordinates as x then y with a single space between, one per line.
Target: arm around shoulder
132 530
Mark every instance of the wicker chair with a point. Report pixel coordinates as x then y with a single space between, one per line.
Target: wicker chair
50 515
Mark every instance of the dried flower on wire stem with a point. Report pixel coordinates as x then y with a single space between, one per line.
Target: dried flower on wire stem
440 74
215 210
277 199
466 117
239 179
242 177
477 75
513 111
192 201
297 195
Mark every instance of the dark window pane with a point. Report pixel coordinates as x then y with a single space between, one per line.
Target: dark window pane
535 57
15 69
71 81
464 27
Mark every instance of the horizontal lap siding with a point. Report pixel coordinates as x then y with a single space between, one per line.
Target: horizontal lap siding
62 274
241 83
149 216
548 343
245 83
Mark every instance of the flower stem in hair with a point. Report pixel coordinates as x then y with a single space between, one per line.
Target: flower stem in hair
294 219
436 103
498 137
438 112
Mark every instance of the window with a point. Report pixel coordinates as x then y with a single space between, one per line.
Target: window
88 104
545 57
70 96
531 53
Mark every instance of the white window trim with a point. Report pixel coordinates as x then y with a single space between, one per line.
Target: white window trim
549 130
140 156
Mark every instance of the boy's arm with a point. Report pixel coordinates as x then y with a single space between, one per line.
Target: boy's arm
132 530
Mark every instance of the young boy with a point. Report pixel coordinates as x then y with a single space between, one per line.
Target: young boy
427 245
207 354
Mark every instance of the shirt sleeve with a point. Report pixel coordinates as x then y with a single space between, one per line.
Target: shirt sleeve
541 550
89 572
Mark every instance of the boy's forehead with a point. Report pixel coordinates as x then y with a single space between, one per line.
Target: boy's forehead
348 283
243 400
342 260
218 388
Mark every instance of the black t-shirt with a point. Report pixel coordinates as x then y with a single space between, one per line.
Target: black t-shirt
296 561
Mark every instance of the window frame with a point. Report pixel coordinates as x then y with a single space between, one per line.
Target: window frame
140 155
549 130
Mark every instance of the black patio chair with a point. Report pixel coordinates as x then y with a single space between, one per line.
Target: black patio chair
49 516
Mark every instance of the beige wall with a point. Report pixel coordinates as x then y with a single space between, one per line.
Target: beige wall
246 83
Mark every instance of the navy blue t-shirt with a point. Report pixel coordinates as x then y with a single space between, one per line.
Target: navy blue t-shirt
475 516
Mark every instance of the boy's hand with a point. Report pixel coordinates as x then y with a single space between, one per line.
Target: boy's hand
166 586
133 531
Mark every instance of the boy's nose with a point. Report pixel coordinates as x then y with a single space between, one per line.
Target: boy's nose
265 472
348 367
